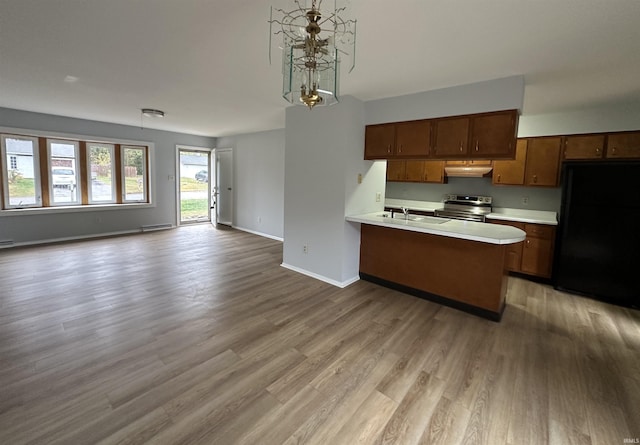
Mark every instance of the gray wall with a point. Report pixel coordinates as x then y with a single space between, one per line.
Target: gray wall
259 181
625 116
539 198
323 156
34 228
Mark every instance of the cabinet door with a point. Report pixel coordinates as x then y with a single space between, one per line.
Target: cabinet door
434 171
414 171
624 145
395 171
379 141
511 172
537 252
494 135
584 147
451 137
413 139
543 161
514 251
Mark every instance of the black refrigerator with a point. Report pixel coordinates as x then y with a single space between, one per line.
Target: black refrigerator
598 237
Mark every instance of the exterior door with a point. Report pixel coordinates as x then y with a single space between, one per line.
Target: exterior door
194 178
223 191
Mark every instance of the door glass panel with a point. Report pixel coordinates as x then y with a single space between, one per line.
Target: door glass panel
194 186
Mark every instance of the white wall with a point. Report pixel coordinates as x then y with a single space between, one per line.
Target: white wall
29 229
324 152
624 116
259 181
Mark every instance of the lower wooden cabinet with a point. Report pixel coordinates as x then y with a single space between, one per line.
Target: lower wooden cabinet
537 251
534 255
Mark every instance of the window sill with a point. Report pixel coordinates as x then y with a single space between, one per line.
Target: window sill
74 209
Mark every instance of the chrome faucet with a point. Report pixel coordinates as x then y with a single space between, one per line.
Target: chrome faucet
405 212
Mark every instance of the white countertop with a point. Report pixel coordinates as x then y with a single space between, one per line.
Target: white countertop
526 216
468 230
504 214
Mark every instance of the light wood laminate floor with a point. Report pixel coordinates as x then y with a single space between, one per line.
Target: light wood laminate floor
199 336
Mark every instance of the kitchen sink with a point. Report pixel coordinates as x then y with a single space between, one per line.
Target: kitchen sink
399 217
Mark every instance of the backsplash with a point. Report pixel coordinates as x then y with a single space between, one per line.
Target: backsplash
539 198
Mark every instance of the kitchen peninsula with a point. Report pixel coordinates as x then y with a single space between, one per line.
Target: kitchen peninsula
457 263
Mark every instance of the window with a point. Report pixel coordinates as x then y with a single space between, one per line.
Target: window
134 172
63 172
102 184
21 172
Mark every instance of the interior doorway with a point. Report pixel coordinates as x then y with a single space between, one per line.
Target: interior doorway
194 192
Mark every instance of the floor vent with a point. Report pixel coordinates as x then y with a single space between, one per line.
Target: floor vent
155 227
6 243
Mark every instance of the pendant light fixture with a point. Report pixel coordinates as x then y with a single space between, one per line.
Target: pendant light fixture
314 39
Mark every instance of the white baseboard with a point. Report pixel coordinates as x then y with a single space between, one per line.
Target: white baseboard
340 284
266 235
81 237
72 238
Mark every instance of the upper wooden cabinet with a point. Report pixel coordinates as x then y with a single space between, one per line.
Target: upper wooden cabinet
543 161
511 172
484 135
415 171
409 140
494 135
396 170
451 137
584 146
433 171
379 141
413 139
623 145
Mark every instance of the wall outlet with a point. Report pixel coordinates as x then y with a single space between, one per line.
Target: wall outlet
305 248
525 200
378 196
359 178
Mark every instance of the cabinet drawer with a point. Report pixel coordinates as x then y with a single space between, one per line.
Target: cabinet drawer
539 231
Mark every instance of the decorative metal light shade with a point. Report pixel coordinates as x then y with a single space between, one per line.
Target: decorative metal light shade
313 42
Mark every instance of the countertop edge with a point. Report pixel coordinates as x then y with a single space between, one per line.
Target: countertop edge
441 231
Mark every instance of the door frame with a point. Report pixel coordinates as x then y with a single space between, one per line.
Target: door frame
176 178
215 161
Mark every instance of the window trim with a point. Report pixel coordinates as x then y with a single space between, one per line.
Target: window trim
78 188
6 199
145 174
84 206
114 176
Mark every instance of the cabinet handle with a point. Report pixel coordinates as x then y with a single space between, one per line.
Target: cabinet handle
400 149
389 148
528 242
498 178
613 151
535 179
476 145
460 146
597 151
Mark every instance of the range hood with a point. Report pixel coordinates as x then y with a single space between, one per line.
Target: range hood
468 171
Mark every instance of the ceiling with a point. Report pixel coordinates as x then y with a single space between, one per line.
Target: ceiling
205 62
